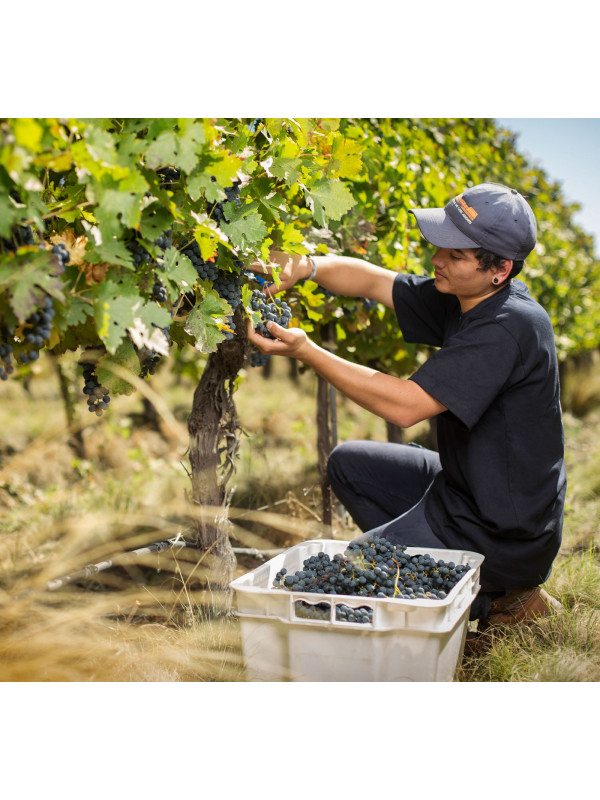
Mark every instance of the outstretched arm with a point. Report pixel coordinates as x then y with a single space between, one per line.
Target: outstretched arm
351 277
402 402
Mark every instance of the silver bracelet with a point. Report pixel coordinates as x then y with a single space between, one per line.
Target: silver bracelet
311 277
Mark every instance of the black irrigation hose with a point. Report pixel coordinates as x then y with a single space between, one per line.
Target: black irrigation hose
93 569
156 547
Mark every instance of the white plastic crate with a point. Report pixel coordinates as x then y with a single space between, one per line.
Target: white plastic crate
407 640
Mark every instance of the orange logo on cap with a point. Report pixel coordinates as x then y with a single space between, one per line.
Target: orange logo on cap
470 212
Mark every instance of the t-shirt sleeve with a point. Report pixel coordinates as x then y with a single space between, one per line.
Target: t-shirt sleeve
420 309
471 370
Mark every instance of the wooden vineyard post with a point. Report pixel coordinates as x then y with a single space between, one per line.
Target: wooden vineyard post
326 428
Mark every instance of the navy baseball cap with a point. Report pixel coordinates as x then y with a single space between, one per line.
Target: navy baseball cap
489 215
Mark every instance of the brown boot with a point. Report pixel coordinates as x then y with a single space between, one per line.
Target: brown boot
520 606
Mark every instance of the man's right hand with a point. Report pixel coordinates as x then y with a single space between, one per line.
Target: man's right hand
294 268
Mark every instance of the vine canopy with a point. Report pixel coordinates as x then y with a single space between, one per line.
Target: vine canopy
141 231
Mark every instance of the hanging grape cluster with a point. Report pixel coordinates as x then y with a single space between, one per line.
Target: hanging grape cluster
159 293
374 568
207 270
141 256
6 349
351 309
149 359
36 331
20 236
62 255
98 396
216 211
271 309
258 359
168 176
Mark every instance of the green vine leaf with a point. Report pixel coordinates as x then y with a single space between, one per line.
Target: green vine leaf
125 357
205 321
328 200
245 226
27 276
118 310
178 270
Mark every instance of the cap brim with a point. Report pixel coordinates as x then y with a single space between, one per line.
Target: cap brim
438 228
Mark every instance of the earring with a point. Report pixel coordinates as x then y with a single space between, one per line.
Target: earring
495 281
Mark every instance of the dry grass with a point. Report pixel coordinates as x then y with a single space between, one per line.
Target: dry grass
147 620
150 619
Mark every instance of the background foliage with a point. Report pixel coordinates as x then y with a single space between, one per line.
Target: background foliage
108 187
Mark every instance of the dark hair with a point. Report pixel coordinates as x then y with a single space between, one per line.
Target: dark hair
488 260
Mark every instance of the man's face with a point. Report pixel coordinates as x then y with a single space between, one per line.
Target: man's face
458 272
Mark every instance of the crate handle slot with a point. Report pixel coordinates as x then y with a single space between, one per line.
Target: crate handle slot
319 611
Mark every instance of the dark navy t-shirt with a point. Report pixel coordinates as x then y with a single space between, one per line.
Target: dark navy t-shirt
502 486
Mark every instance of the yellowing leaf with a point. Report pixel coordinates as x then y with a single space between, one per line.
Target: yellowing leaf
346 159
292 240
75 246
28 133
329 123
225 168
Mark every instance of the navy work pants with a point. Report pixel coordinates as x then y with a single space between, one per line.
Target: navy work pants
383 486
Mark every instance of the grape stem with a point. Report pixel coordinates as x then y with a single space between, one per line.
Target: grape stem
396 590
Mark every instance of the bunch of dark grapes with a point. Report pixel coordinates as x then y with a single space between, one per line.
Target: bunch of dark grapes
165 240
6 367
362 615
368 304
343 613
20 235
375 568
271 310
159 292
149 359
258 359
37 330
62 254
139 254
215 210
168 176
228 285
229 334
207 270
98 396
350 311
